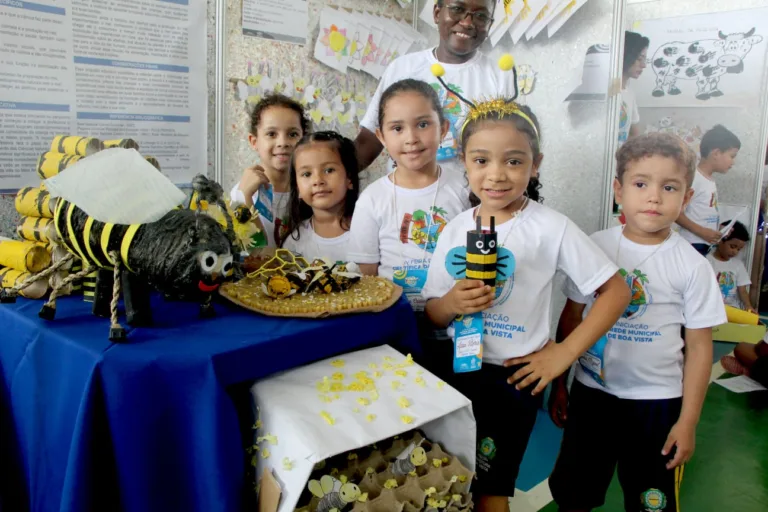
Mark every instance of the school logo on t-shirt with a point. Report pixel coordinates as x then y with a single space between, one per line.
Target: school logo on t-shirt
640 295
623 122
456 265
452 109
727 282
423 228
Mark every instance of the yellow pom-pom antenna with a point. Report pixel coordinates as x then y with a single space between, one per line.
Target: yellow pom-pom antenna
506 62
438 70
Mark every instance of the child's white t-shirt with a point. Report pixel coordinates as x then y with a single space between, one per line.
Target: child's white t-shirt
530 250
311 245
477 79
273 207
628 115
674 287
730 275
402 240
703 207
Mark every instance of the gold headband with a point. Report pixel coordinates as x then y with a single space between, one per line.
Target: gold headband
498 106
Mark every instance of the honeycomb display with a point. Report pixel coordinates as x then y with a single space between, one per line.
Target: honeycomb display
370 479
289 285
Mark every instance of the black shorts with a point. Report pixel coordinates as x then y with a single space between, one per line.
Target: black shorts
703 249
505 419
604 432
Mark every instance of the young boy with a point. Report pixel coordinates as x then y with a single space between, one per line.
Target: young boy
636 399
731 273
701 217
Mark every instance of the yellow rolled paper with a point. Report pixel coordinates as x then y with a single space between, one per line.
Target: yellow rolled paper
739 316
74 145
24 256
122 143
34 202
35 229
51 163
10 277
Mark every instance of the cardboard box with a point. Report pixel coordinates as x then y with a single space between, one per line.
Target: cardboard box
302 422
739 333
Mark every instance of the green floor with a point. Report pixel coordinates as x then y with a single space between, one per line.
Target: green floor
729 470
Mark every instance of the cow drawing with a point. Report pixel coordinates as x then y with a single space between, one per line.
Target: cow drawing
704 61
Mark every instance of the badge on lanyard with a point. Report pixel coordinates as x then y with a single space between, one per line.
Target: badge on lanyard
412 281
592 361
468 343
264 201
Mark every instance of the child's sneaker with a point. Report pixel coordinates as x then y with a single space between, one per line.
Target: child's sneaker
733 366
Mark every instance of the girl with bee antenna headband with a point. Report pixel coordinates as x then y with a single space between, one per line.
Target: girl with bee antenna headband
508 322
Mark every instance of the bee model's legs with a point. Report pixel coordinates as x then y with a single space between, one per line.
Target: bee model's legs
48 311
138 312
8 295
116 331
206 307
103 294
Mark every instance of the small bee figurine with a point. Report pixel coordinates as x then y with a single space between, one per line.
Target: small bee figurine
334 495
481 253
409 460
329 281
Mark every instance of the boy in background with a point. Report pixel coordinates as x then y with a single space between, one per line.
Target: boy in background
636 397
732 275
701 218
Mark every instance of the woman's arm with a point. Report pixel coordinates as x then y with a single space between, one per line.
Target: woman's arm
368 148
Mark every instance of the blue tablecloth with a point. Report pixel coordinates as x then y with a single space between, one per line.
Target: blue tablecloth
147 425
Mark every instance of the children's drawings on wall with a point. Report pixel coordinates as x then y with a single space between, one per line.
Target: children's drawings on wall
332 101
363 41
706 60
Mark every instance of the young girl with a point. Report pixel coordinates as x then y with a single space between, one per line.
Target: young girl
277 125
324 189
511 319
399 218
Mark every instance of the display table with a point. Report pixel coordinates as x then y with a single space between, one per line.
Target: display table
148 425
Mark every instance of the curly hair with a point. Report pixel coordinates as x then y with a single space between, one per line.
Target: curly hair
282 101
656 144
522 125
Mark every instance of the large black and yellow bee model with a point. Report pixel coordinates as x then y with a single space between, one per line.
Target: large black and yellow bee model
183 253
481 255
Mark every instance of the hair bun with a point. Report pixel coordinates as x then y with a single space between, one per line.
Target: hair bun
437 69
506 62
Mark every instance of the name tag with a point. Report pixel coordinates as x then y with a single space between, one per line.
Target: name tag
468 343
592 361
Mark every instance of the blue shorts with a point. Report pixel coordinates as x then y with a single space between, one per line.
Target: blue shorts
604 432
505 419
703 249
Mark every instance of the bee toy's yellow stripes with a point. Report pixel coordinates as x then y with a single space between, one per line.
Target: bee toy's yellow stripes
73 235
481 275
481 259
105 234
87 236
126 244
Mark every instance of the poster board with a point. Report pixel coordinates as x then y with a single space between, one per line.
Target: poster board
289 407
114 70
706 60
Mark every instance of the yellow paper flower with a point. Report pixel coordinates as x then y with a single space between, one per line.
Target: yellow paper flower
352 456
406 419
287 464
356 386
265 453
377 375
395 384
387 366
372 366
257 425
338 363
390 484
336 387
361 374
370 471
440 384
270 438
363 401
430 491
370 418
420 381
324 386
456 497
337 376
437 463
388 359
363 497
401 373
462 478
409 360
403 402
328 418
446 460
